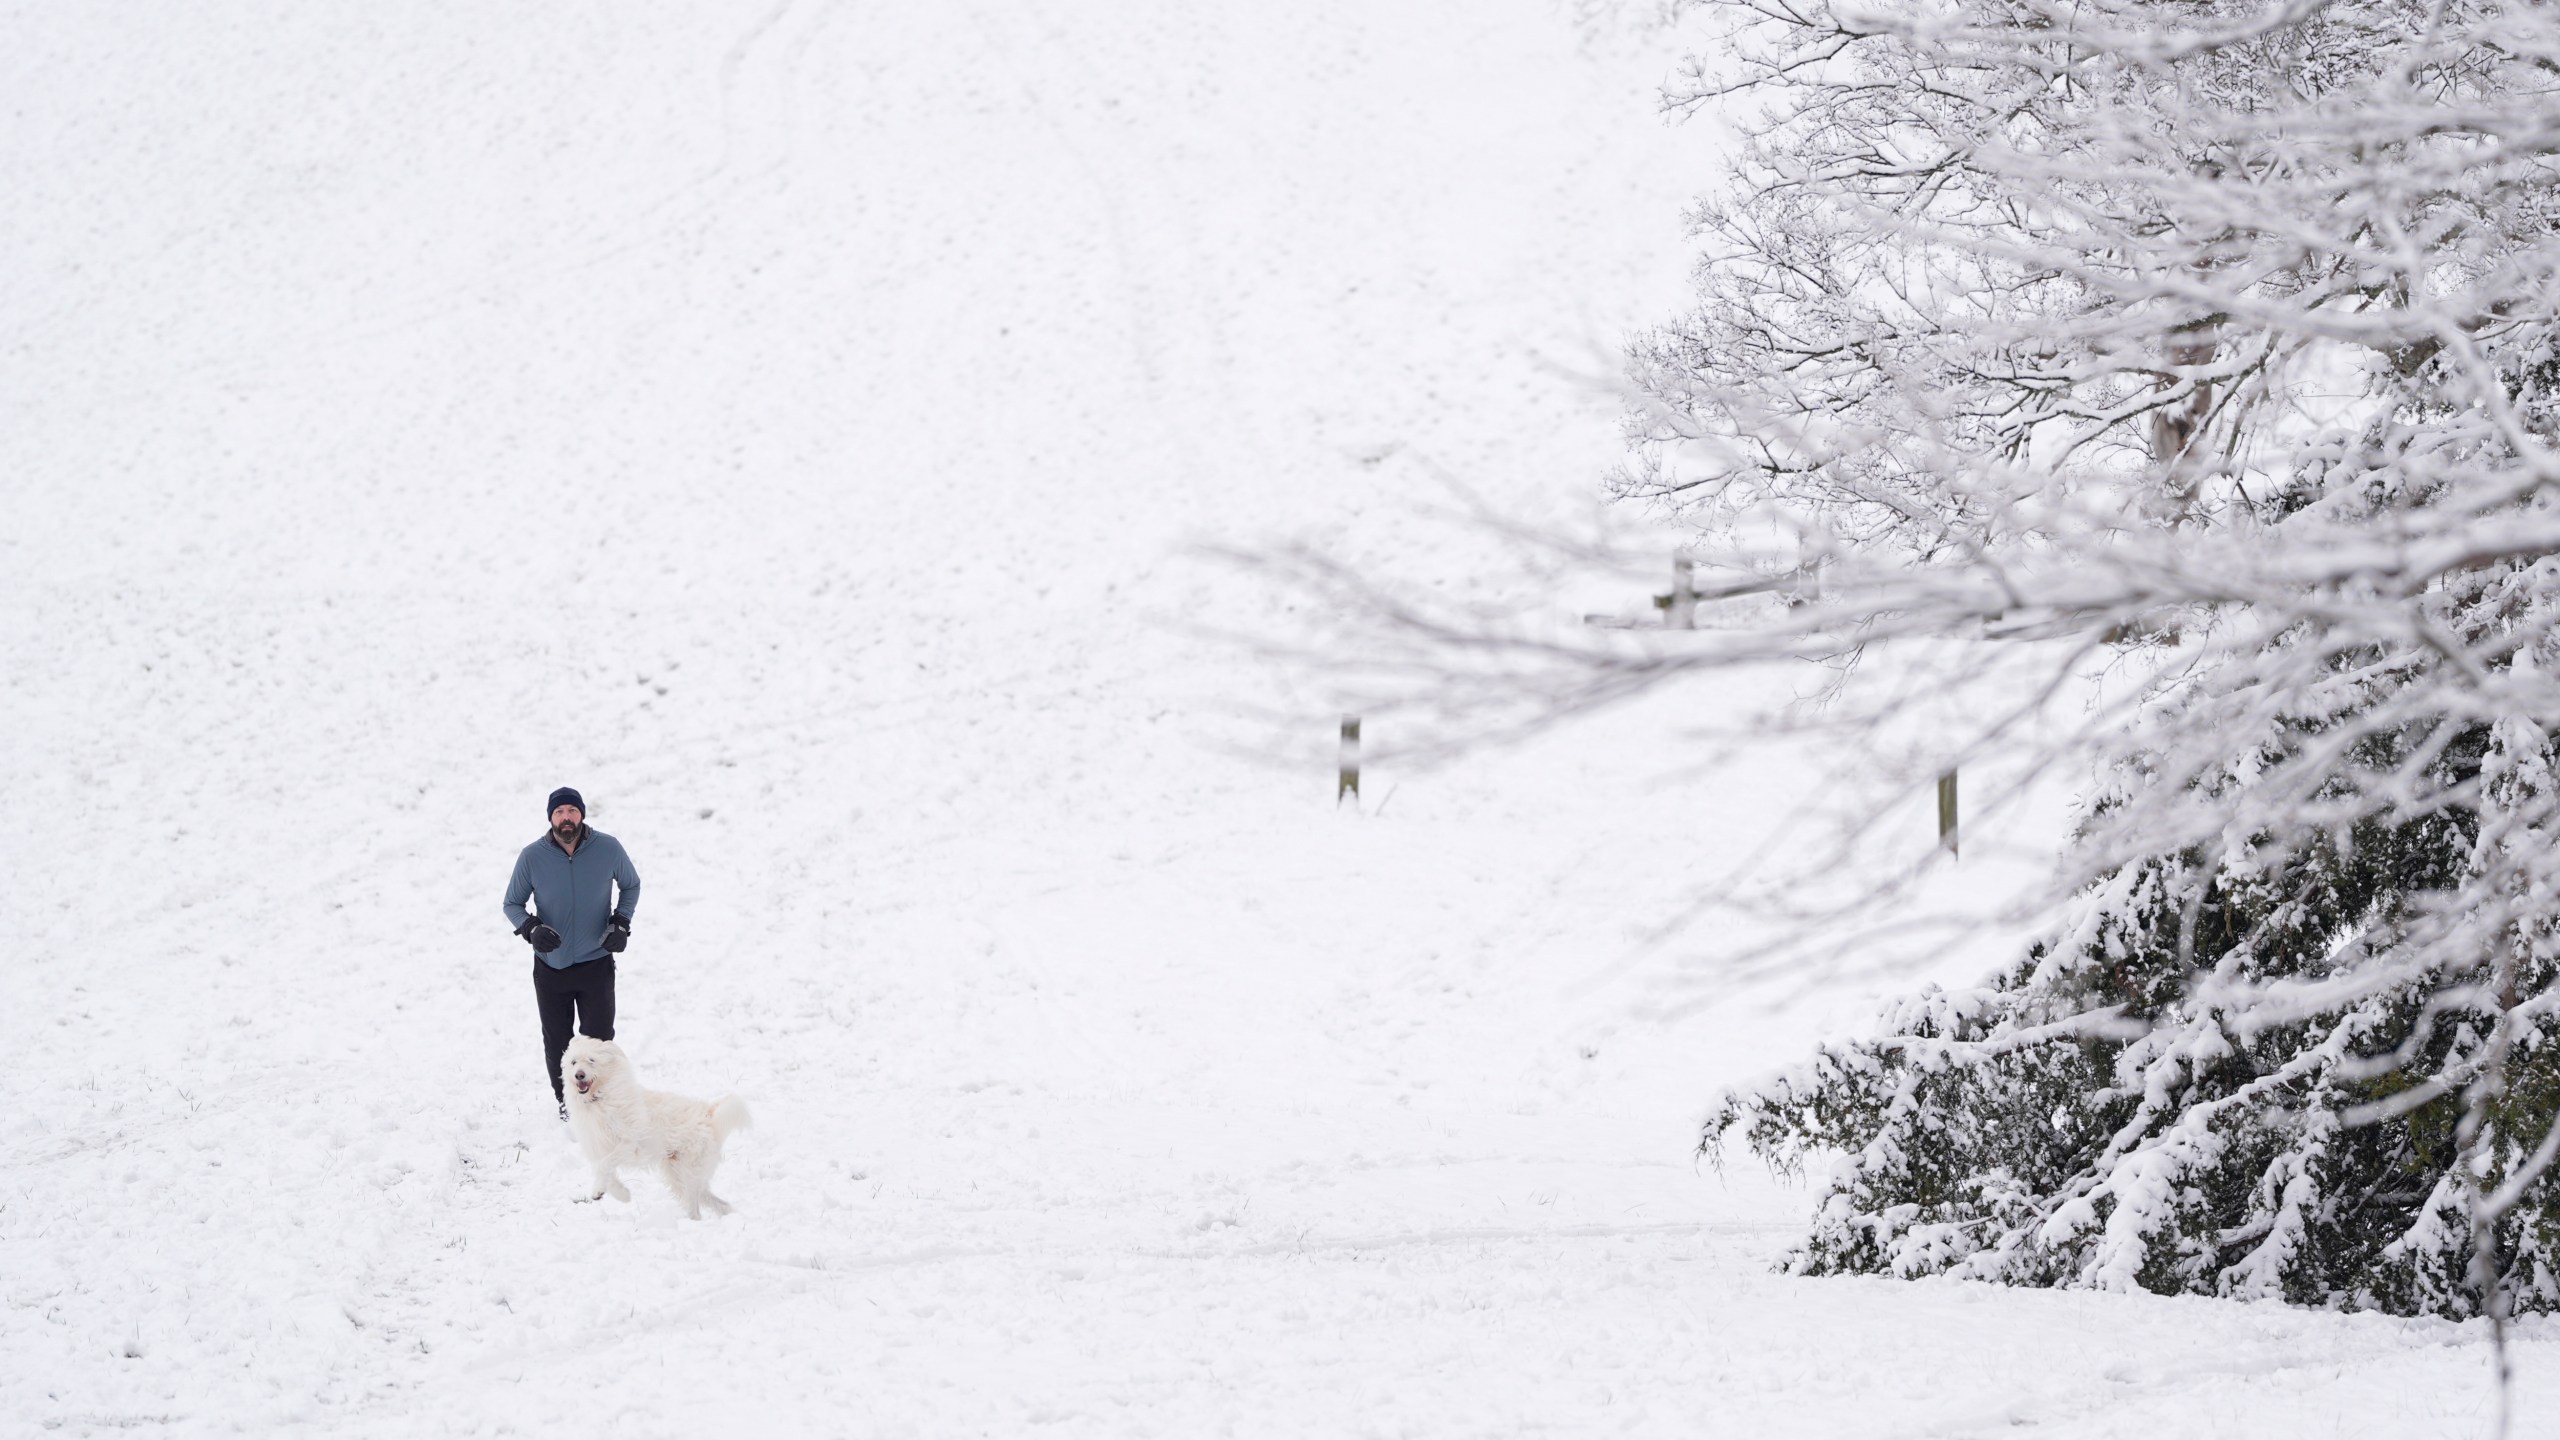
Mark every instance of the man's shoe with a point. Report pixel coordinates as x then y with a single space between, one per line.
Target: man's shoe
564 1112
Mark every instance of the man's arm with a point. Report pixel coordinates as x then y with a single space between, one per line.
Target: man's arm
626 882
519 888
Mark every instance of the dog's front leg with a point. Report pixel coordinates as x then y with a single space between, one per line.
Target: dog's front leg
605 1183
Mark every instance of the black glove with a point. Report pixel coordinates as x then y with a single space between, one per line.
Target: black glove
617 933
541 937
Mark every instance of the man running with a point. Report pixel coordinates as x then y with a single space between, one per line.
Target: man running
584 890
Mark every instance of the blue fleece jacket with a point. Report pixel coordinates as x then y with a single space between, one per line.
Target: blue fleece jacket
573 894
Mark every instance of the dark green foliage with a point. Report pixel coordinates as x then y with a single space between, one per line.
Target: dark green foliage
2137 1111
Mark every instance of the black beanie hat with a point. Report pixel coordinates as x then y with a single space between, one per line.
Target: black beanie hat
565 796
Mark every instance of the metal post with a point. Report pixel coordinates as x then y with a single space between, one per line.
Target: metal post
1347 778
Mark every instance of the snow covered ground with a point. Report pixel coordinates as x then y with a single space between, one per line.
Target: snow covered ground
787 425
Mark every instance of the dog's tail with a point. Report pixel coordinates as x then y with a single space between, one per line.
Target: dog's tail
728 1115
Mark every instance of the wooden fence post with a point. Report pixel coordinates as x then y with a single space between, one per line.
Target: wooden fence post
1947 812
1680 607
1804 583
1347 775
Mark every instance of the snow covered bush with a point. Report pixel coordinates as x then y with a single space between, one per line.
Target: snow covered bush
2239 1077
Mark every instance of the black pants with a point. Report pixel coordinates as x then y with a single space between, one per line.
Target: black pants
587 987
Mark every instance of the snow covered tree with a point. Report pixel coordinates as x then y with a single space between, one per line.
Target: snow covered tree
2225 328
2177 384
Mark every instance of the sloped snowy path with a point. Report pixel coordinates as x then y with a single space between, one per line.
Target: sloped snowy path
780 422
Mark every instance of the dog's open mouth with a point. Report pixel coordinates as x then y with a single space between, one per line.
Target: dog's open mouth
583 1083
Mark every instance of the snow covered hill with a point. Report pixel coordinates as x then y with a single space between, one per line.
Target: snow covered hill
787 425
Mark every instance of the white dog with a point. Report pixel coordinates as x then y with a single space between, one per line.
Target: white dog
618 1123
